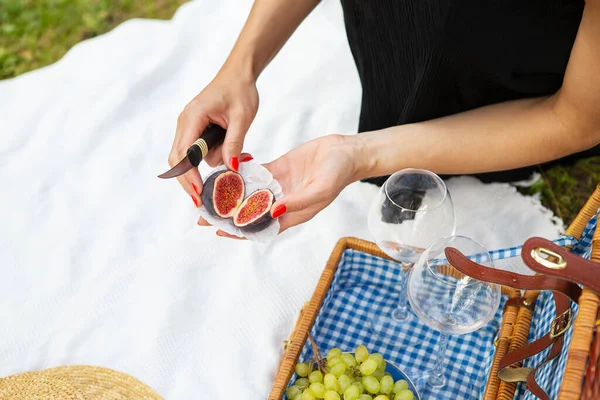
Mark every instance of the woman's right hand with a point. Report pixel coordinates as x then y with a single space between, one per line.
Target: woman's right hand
230 101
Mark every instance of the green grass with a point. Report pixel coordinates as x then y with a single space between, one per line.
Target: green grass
564 189
35 33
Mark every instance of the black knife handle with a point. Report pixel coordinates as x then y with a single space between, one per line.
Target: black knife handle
212 136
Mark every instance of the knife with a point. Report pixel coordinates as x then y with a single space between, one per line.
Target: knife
212 136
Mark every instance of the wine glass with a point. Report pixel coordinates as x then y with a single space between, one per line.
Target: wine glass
412 209
450 302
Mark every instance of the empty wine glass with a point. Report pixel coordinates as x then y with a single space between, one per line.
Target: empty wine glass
450 302
412 209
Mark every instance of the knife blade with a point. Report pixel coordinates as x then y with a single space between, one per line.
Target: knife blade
212 136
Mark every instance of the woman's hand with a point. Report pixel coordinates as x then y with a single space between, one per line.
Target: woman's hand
230 101
311 177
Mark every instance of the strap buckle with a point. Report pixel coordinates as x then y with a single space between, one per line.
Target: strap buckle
548 258
561 323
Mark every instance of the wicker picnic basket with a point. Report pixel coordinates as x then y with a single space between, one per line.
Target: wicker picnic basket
513 333
517 322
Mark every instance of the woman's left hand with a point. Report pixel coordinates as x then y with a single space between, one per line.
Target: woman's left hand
311 177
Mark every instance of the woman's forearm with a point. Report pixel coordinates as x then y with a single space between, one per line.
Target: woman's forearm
269 25
492 138
501 136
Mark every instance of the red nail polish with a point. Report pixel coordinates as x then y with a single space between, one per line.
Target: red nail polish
247 158
235 163
279 211
195 201
195 188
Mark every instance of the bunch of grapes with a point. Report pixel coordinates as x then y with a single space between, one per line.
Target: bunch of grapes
361 376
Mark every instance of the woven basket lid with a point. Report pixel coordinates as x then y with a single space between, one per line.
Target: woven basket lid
78 382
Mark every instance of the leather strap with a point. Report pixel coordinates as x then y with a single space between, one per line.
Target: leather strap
512 279
569 267
559 271
553 338
519 302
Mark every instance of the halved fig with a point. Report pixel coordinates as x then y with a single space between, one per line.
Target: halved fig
253 214
223 193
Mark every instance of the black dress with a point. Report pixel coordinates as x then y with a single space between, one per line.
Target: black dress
423 59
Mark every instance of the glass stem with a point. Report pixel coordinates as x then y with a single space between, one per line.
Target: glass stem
437 378
401 312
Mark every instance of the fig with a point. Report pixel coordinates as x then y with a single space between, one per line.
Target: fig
253 215
223 193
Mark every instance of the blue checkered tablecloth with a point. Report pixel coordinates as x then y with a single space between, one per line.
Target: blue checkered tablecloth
364 288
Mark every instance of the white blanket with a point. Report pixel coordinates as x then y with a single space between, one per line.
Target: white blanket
102 263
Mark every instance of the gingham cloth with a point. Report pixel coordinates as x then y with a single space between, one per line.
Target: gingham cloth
363 288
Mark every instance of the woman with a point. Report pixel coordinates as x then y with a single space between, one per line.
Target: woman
488 88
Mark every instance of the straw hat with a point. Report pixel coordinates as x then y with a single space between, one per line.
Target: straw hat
78 382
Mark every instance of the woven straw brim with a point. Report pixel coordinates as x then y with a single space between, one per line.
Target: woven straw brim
79 382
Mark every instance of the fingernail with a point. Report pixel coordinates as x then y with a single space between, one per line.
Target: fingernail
195 188
195 201
235 164
247 158
279 210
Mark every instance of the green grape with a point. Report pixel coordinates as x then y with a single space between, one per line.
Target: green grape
363 397
331 383
381 397
331 395
302 369
368 367
360 387
404 395
352 379
302 383
298 397
308 395
335 352
387 384
338 369
351 393
378 374
344 382
379 358
334 360
371 384
381 367
400 385
318 390
315 376
349 359
292 391
361 353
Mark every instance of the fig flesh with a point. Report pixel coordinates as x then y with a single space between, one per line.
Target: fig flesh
223 193
253 215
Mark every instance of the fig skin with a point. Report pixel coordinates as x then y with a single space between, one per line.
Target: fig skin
208 190
262 222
